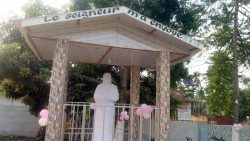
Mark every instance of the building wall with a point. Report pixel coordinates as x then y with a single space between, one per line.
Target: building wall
199 118
16 120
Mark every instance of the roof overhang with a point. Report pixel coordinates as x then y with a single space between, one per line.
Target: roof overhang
115 36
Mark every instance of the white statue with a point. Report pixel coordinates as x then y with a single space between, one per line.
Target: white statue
106 94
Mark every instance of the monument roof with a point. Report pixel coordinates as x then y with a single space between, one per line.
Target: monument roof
114 35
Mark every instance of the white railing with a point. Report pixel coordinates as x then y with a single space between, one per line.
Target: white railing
78 122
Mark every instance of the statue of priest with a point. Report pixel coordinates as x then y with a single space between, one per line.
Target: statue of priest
106 94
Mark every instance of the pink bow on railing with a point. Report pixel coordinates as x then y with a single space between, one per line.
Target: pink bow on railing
124 116
238 127
145 111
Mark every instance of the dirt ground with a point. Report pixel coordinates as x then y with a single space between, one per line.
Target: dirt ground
4 138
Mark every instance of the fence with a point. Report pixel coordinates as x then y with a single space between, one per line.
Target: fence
219 132
227 133
79 122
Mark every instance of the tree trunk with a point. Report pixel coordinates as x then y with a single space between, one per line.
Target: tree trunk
124 94
163 96
235 65
134 101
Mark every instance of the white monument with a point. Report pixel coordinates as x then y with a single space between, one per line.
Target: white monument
106 94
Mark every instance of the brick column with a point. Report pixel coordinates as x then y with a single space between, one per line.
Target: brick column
134 101
163 96
58 90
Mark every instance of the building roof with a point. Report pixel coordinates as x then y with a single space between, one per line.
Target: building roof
181 96
114 35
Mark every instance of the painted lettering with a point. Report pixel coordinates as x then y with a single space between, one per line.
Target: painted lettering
99 12
68 16
84 14
179 35
169 30
174 32
144 18
115 8
47 19
74 15
152 22
54 18
133 13
159 25
92 12
107 11
164 28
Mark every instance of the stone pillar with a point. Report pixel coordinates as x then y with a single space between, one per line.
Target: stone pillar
58 91
134 101
163 96
235 134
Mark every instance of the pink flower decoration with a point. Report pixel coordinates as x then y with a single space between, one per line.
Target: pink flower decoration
147 116
238 127
139 111
44 113
43 121
144 110
124 116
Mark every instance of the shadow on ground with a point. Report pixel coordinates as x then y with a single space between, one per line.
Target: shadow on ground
8 138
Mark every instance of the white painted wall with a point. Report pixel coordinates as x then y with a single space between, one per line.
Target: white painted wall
16 120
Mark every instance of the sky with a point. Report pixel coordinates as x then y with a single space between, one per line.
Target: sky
199 63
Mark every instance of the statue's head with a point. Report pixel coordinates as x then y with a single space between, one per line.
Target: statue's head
106 78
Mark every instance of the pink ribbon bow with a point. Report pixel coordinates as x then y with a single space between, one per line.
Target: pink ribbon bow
144 110
124 116
238 127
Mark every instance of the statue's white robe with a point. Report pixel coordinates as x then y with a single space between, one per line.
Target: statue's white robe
106 94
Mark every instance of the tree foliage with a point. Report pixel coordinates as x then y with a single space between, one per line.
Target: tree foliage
22 75
230 23
220 83
244 100
220 21
36 8
83 79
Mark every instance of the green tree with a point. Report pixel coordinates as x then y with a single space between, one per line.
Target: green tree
230 23
244 108
244 99
22 75
36 8
220 83
84 78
